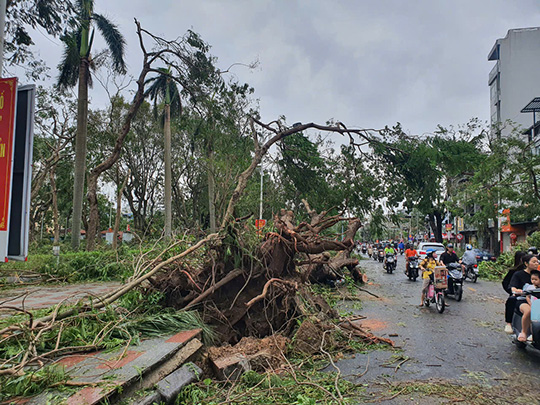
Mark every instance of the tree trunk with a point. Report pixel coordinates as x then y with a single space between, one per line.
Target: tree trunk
115 154
211 192
168 174
118 212
80 153
54 192
435 222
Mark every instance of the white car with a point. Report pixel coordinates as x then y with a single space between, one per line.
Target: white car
423 246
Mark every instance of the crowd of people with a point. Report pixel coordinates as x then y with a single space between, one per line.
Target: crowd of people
523 276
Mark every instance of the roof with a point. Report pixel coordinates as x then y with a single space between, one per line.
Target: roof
533 106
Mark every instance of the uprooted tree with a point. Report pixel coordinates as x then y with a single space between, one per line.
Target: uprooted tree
245 284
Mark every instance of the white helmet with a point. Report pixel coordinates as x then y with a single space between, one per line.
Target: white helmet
469 246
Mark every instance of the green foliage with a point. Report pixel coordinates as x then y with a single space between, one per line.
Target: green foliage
491 271
31 383
305 387
77 266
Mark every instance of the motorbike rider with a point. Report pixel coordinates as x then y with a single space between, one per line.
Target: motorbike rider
426 267
410 252
401 247
370 250
517 283
449 256
468 259
389 250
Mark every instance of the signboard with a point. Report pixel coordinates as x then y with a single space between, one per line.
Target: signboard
445 236
448 227
16 143
8 99
459 237
260 223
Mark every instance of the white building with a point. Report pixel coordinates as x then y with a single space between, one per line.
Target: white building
515 79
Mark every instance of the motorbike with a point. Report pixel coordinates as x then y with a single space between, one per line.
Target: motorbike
381 255
455 281
435 295
364 249
535 323
401 251
375 254
412 270
471 272
390 264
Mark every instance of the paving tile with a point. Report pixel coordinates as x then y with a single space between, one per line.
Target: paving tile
86 396
117 363
73 360
184 336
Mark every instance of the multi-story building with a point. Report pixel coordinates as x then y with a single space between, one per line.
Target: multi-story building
514 84
515 79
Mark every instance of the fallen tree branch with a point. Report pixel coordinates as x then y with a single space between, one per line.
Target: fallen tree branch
229 277
265 289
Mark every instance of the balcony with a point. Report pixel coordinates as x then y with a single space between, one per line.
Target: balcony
493 74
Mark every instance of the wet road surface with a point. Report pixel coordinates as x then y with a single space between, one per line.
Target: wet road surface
465 343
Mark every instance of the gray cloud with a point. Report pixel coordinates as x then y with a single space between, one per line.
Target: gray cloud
366 63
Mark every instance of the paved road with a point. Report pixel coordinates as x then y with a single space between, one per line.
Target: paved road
465 343
38 297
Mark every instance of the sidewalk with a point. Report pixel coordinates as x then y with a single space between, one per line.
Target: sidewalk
38 297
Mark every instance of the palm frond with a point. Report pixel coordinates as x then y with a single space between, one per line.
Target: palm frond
169 322
69 65
115 41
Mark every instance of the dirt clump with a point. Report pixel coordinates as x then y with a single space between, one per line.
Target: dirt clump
309 337
262 354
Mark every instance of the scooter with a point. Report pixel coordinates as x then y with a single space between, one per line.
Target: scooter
471 272
435 293
375 254
412 271
535 323
390 263
364 249
455 281
381 255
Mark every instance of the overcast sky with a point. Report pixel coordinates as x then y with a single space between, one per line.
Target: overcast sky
365 63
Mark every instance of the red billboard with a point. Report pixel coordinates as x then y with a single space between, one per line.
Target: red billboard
8 95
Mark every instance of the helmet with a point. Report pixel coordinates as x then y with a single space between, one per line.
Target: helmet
469 246
532 250
429 252
450 246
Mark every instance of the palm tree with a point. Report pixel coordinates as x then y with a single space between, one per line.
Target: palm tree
163 88
75 68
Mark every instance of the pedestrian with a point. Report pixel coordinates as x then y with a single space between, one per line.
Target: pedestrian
510 304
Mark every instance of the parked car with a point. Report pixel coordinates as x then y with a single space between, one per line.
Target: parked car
484 256
423 246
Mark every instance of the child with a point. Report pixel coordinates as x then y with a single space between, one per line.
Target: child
535 283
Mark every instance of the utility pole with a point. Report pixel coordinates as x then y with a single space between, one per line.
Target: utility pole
2 34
